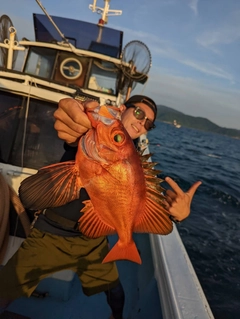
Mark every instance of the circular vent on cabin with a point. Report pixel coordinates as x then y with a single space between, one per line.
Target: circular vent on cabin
71 68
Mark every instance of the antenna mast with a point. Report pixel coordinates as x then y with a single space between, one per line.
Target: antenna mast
105 12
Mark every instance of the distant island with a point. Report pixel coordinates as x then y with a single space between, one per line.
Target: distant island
169 115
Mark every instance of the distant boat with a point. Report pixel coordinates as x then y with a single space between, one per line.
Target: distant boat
177 125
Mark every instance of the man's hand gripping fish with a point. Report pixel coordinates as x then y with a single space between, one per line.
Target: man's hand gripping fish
125 193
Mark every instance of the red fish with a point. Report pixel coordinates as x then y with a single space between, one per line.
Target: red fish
125 193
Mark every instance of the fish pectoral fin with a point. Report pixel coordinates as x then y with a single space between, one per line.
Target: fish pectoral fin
51 186
91 224
154 219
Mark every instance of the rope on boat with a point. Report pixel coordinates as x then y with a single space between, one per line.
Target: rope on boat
25 122
7 195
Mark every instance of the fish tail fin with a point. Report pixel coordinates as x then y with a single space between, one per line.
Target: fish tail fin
124 252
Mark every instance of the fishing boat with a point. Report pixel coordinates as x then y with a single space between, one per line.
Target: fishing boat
85 61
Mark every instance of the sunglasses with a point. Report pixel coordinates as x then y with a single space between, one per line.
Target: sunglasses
141 115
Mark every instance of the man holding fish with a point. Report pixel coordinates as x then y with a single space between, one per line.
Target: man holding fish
77 203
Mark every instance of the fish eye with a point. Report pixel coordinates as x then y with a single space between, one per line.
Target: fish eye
118 138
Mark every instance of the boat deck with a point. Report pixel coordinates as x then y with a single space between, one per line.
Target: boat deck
67 301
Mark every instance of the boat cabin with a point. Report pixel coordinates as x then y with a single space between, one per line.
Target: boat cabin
94 67
87 65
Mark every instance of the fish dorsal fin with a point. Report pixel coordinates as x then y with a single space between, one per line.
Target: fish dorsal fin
91 225
52 186
144 157
154 218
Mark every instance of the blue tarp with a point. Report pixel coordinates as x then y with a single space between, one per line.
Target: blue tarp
83 35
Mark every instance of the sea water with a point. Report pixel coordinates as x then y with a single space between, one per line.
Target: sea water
211 234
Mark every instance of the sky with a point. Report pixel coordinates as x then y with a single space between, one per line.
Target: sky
194 45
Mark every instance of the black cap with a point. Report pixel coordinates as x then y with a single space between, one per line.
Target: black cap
143 99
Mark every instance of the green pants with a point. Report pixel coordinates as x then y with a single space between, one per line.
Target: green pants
42 254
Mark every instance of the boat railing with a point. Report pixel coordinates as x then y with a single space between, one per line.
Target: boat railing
180 291
68 47
34 81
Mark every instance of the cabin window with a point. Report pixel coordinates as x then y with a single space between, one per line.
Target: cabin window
40 62
27 136
103 77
